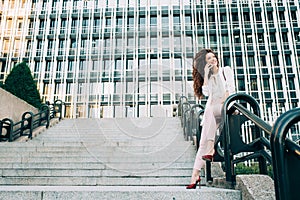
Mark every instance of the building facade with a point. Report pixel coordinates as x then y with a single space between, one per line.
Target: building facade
133 58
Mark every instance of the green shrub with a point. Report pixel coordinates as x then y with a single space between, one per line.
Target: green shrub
253 169
21 84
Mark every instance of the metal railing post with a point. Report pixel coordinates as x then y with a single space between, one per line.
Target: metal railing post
58 108
286 180
9 124
45 108
29 125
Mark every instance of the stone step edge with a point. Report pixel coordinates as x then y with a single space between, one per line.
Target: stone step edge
107 188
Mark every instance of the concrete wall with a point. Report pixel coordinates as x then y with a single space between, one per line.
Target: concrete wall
12 107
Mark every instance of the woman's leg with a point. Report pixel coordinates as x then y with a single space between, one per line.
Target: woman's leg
206 146
213 119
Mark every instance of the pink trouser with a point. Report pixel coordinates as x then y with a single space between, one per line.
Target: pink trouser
211 117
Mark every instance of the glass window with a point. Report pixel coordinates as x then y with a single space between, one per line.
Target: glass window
142 42
246 16
284 37
235 17
153 20
108 22
258 16
73 43
270 16
42 24
37 66
153 42
130 42
63 23
272 37
225 39
275 60
165 20
119 64
241 84
281 15
227 61
288 61
74 22
266 84
129 64
294 15
223 17
263 60
249 38
62 44
278 84
253 84
71 65
83 43
165 42
211 17
239 61
97 22
187 19
176 19
237 39
130 21
52 23
213 38
39 44
154 64
85 22
177 63
251 61
83 64
260 38
142 21
291 83
119 21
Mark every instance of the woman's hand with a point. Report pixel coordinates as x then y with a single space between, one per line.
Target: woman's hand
207 68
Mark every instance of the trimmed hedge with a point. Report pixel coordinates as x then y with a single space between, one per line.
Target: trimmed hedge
253 169
21 84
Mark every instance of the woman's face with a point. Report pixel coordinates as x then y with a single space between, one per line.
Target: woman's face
210 58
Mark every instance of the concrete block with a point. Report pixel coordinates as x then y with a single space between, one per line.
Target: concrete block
256 187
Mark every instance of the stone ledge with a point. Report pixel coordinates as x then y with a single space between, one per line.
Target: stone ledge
256 187
253 187
118 192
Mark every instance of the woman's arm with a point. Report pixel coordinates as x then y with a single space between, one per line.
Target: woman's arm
229 85
205 89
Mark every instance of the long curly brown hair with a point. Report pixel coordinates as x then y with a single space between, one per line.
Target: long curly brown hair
198 70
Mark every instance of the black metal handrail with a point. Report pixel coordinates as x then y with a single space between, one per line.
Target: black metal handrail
10 131
231 138
285 154
286 157
182 99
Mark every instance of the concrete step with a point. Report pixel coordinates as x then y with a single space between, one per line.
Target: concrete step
48 172
94 165
94 181
119 192
103 152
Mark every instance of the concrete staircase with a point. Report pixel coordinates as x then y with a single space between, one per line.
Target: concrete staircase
126 158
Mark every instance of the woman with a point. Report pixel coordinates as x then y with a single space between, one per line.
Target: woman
217 83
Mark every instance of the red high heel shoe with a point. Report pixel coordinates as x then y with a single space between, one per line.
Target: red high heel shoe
209 158
194 185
